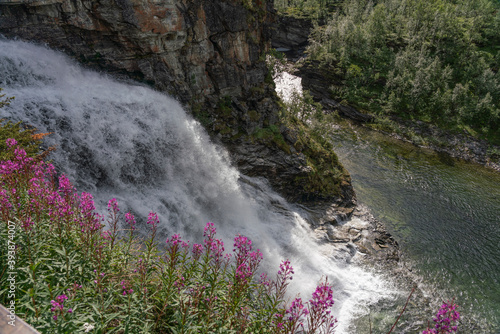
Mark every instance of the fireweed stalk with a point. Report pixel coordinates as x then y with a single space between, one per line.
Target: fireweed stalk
446 320
78 274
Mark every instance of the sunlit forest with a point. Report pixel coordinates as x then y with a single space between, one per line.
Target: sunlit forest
435 60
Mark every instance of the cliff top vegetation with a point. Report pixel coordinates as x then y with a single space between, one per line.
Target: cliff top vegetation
434 61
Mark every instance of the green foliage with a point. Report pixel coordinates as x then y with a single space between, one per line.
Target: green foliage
224 106
4 101
272 134
436 61
313 9
202 115
16 131
310 127
23 136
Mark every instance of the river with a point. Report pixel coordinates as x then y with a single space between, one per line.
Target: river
444 213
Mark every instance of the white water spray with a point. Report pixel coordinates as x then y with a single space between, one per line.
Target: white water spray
127 141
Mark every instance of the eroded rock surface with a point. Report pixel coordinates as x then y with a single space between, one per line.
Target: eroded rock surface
355 235
196 50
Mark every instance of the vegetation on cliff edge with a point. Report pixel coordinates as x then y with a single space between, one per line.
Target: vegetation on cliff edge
435 61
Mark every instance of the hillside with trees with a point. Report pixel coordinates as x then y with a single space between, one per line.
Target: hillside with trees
435 61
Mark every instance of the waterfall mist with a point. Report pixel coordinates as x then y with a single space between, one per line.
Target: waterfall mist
123 140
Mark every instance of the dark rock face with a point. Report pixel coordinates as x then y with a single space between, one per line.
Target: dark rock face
209 54
196 50
291 35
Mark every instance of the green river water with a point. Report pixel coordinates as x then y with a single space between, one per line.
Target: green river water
444 213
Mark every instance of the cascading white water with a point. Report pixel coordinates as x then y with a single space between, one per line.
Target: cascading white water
127 141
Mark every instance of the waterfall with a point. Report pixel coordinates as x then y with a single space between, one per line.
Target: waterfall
124 140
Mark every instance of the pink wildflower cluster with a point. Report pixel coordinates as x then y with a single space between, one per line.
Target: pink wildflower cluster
153 220
319 308
175 245
23 173
294 316
445 320
247 260
315 315
286 270
285 274
58 306
197 250
130 220
125 289
214 247
176 241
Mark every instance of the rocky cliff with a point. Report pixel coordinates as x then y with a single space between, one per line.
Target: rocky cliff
196 50
209 54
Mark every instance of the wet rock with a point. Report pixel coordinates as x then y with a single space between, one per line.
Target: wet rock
359 238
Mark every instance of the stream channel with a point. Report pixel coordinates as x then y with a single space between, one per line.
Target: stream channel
444 213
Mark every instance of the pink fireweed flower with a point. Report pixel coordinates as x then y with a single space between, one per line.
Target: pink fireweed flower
286 270
319 308
65 186
445 320
209 230
242 244
5 199
113 205
130 220
214 247
153 219
90 219
58 305
264 280
197 250
322 297
27 224
296 309
61 298
55 306
294 316
175 245
125 288
176 241
247 261
20 154
11 142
